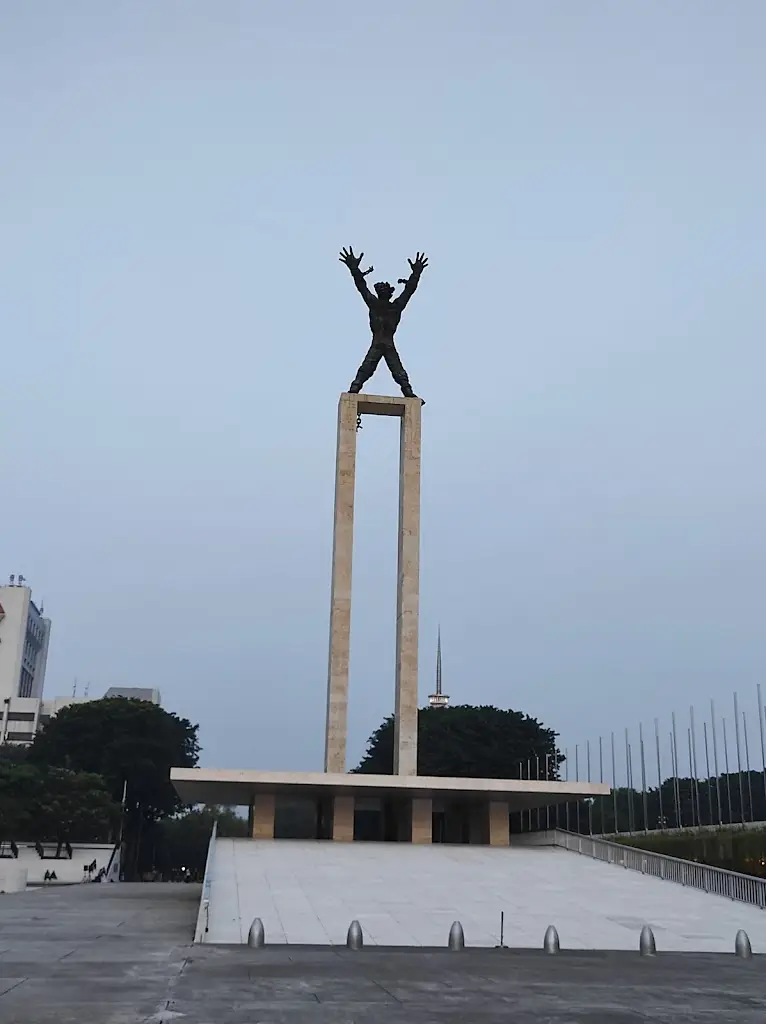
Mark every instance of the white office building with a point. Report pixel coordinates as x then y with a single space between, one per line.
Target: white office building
24 636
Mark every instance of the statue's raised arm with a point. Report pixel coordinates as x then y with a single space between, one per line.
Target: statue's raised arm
352 262
417 266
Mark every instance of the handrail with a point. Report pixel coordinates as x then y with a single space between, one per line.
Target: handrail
116 852
732 884
203 914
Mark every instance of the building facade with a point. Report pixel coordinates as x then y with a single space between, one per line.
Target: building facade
24 638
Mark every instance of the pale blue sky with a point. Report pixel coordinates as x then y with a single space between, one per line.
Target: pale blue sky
587 179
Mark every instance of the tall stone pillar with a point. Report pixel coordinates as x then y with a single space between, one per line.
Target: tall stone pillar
408 594
336 733
408 579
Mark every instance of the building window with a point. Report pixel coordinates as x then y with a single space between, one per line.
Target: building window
21 716
25 684
19 737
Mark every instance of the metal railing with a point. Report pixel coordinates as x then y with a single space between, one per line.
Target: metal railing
732 884
203 915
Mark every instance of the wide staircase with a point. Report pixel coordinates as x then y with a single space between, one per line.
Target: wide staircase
597 894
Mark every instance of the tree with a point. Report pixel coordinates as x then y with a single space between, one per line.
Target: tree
77 807
131 744
13 753
21 792
54 805
470 742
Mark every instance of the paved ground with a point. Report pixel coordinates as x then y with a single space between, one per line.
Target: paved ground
405 895
119 954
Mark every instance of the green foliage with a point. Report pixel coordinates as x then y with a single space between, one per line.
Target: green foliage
182 841
469 742
732 848
122 740
21 793
54 805
14 753
678 803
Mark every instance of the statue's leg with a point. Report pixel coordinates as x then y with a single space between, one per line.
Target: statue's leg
368 367
398 372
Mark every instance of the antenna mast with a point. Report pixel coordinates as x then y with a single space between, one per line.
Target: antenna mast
438 699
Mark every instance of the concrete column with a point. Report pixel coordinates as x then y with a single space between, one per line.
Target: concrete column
343 819
340 594
422 820
498 823
262 816
408 593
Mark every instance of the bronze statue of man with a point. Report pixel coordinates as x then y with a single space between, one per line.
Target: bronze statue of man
385 314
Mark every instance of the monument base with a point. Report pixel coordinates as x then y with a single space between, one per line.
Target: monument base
401 808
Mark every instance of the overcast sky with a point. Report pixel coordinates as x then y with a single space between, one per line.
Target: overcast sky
587 179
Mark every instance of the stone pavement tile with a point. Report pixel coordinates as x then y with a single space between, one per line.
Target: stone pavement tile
401 1015
37 1002
702 1016
6 984
85 1013
38 953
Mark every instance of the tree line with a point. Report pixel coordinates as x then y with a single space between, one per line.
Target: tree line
100 770
735 798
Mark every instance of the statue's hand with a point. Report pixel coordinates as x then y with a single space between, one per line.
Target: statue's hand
351 261
419 264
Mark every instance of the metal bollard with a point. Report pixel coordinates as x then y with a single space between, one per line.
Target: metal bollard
551 940
256 937
646 943
355 937
456 940
742 947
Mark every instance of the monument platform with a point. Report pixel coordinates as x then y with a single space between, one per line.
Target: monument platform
412 808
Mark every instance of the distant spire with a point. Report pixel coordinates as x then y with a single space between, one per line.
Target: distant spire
438 699
439 660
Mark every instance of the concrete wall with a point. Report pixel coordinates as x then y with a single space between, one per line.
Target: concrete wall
67 871
13 878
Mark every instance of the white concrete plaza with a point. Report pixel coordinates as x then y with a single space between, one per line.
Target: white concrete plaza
408 895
